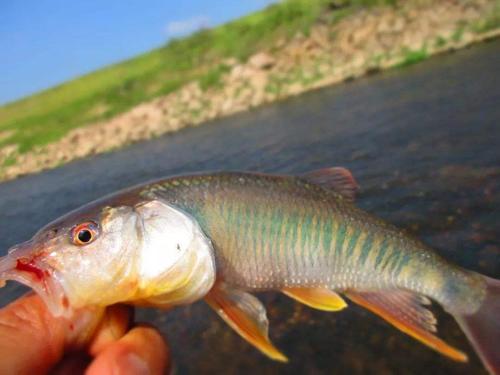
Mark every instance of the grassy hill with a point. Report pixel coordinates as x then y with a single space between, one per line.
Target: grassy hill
47 116
348 40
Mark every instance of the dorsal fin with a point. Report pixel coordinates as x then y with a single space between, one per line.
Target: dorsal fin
336 178
406 312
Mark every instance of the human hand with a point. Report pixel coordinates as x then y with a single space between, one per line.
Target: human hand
32 341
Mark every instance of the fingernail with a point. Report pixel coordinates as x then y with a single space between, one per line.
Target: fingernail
132 364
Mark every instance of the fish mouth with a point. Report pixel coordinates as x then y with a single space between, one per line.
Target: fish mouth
22 266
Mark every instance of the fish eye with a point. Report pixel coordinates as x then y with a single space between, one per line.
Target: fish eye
84 233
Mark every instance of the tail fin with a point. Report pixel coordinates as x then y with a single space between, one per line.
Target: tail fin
483 327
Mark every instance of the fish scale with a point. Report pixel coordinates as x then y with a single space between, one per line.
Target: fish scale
347 256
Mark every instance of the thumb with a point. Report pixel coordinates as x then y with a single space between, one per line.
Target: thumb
141 351
33 341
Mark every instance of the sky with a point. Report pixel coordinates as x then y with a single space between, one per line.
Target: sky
46 42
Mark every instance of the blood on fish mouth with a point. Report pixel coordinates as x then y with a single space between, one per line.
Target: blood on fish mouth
32 271
30 267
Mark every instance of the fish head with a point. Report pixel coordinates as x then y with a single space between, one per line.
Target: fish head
145 254
75 260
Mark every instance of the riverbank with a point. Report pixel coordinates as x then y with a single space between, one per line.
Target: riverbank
342 44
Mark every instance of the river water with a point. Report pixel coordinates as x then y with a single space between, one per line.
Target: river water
423 143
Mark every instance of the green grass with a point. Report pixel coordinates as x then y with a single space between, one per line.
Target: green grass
213 78
440 42
458 34
491 22
412 57
49 115
10 160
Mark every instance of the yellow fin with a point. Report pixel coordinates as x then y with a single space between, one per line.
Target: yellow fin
246 315
404 311
317 298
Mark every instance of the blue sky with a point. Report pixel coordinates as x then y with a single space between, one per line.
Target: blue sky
46 42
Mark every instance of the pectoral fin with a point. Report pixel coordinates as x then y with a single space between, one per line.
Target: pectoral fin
246 315
317 298
404 311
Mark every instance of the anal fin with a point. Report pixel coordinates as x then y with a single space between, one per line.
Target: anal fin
404 311
246 315
317 298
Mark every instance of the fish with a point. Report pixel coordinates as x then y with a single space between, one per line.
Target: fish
222 236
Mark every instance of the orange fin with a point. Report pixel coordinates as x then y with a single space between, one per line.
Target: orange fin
246 315
404 310
336 178
317 298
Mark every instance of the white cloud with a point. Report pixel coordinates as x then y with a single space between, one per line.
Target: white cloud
187 26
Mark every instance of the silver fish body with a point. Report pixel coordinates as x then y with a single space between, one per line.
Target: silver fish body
221 236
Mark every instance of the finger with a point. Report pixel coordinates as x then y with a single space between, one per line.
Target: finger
115 323
74 363
141 351
31 340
